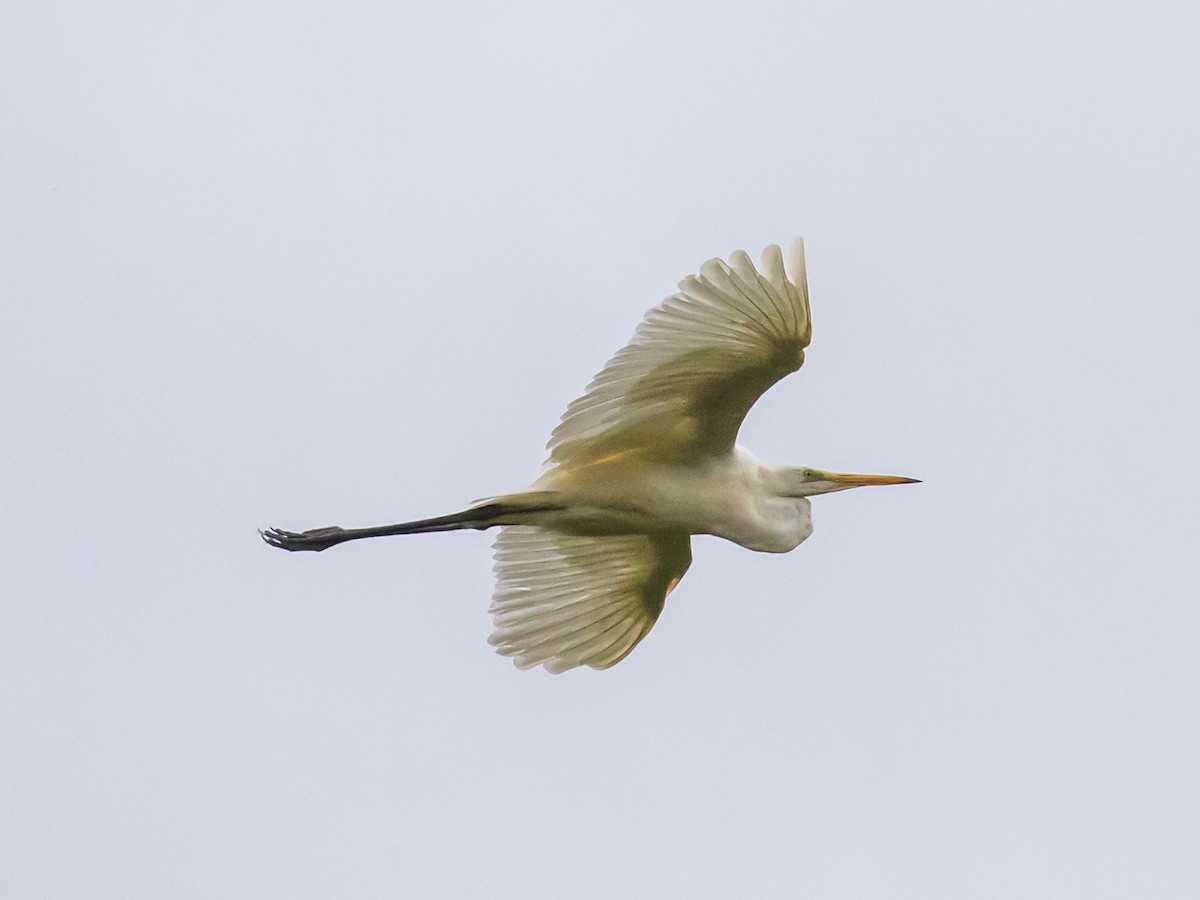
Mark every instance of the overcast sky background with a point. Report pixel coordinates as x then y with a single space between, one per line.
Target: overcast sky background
296 265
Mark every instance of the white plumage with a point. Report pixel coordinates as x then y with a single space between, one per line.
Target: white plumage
644 459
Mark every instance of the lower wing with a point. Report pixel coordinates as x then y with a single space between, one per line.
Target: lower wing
563 601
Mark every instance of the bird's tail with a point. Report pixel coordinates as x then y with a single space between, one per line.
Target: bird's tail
512 509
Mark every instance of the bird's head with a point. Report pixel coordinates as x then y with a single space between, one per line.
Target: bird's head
807 482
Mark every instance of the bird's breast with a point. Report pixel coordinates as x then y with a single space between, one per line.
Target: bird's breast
778 525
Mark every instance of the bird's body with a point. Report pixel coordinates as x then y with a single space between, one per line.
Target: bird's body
645 459
729 496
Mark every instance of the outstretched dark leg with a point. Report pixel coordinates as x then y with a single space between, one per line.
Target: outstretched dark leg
478 517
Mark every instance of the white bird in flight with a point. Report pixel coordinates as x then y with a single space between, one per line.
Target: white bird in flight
646 458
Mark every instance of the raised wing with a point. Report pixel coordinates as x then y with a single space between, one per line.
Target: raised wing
563 601
683 384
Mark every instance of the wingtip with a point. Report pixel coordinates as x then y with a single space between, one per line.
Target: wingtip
797 269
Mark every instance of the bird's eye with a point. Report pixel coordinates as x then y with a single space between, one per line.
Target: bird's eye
810 475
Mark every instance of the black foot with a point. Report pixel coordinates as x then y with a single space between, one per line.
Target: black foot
317 539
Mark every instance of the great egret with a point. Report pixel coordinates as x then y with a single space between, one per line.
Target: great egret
643 460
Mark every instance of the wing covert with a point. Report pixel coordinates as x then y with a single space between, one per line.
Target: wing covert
695 365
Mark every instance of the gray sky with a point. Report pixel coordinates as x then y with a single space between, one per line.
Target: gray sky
296 265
